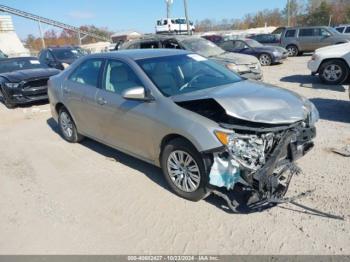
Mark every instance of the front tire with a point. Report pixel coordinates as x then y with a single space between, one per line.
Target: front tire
185 170
333 72
6 101
67 127
265 59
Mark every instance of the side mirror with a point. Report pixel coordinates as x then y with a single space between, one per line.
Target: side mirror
136 93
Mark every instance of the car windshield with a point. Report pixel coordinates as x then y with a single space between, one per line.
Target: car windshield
202 47
332 30
174 75
63 54
253 43
9 65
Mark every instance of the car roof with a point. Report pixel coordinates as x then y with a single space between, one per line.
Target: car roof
138 54
165 37
19 58
306 27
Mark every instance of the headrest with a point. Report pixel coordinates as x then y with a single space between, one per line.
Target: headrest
119 74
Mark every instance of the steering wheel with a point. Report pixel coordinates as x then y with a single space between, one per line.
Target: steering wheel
189 83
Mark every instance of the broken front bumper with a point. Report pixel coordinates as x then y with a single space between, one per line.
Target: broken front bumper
271 178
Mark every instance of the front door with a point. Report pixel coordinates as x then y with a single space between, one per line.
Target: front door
124 124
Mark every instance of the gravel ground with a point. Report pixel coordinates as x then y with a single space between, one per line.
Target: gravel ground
59 198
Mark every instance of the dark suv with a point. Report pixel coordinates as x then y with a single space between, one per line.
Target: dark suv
60 57
298 40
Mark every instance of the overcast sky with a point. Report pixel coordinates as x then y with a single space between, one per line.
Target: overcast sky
120 15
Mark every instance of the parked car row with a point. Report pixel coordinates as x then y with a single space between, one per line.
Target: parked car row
245 65
298 40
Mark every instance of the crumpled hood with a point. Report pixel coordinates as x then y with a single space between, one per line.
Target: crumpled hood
27 74
254 102
238 59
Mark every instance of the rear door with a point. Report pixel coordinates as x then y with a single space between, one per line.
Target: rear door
79 91
308 39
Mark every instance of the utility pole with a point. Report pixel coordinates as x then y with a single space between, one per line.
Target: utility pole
288 12
41 35
330 20
168 8
187 20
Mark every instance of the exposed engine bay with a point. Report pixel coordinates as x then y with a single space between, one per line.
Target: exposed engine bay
258 156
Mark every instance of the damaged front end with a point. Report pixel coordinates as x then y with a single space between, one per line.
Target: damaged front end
257 156
262 160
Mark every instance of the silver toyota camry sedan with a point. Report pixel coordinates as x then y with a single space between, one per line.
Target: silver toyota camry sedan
205 126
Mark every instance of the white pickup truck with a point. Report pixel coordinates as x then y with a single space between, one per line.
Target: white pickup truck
173 25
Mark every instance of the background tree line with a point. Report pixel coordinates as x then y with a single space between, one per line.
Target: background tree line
65 37
302 12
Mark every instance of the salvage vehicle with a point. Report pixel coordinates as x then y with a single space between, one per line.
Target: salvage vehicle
245 65
298 40
60 57
267 55
205 126
23 80
331 63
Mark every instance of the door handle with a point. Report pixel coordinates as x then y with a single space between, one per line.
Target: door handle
101 101
66 90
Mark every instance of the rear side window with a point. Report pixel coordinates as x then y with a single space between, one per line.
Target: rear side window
307 32
290 33
87 73
347 30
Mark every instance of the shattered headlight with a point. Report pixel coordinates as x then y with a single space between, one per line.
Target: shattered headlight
247 150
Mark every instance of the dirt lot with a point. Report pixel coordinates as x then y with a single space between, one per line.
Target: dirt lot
58 198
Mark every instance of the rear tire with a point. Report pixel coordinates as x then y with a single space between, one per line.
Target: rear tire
67 127
333 72
293 50
187 176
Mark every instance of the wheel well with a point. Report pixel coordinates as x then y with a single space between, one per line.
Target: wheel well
292 45
170 137
58 107
333 59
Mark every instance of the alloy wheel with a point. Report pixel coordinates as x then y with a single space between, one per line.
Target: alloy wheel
265 60
183 171
292 51
332 73
66 124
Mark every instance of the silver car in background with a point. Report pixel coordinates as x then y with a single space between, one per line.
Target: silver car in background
205 126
